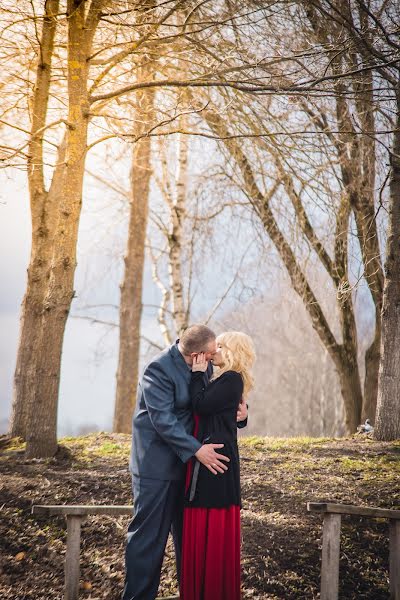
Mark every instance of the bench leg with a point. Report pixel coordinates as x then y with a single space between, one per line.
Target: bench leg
72 557
394 559
330 557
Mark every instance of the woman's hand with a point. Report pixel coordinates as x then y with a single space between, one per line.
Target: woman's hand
199 363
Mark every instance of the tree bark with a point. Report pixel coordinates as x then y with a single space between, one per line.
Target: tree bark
42 412
131 289
178 211
388 408
363 205
43 208
357 158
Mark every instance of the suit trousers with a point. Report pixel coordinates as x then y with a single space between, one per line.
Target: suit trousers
158 509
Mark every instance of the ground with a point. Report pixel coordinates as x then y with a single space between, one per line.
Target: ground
281 541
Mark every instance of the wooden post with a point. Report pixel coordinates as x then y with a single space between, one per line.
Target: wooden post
72 557
330 557
394 558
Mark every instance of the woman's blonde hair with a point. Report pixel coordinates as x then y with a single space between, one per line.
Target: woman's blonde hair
238 354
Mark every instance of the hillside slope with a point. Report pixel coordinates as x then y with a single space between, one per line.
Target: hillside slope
281 541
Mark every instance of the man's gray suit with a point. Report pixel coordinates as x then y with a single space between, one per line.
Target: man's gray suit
161 446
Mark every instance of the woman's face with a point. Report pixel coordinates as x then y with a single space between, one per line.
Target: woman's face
217 358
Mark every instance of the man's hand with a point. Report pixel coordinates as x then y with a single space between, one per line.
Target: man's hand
241 414
211 459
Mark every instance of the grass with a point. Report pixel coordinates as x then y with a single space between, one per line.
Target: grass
281 541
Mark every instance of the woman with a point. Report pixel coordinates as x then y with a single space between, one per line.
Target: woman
211 530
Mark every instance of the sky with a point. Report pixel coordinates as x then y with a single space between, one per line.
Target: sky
90 351
14 252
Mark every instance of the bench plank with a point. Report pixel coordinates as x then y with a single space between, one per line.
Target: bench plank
349 509
83 510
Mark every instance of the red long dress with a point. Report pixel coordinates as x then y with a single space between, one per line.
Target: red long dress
210 550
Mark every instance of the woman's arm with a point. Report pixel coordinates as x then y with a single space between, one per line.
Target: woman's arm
224 393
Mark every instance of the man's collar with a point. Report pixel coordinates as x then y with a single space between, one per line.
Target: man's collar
180 361
178 347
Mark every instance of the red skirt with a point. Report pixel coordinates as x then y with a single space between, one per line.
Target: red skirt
210 552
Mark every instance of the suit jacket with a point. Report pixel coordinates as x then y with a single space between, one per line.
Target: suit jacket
163 421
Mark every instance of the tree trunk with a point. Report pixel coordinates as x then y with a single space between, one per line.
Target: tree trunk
131 288
42 417
363 204
357 161
388 408
43 223
43 231
178 211
350 386
372 359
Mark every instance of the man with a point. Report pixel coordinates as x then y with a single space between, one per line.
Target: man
162 445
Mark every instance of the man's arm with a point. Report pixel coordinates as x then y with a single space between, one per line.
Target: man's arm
158 392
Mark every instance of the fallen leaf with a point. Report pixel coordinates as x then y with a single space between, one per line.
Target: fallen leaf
86 585
20 556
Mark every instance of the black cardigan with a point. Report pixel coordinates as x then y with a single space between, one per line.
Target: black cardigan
216 405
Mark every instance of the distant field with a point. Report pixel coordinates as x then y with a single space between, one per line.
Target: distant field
281 541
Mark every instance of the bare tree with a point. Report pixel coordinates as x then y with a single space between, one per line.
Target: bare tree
174 191
355 143
42 408
373 33
388 412
55 216
44 218
98 69
130 310
96 77
344 355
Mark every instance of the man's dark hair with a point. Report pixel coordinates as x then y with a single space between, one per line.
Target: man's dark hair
196 338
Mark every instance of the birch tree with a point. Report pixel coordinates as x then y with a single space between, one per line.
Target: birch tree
171 248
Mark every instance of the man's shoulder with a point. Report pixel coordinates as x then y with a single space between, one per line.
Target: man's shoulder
162 360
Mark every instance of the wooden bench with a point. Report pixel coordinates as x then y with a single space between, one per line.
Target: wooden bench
75 515
330 541
331 544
